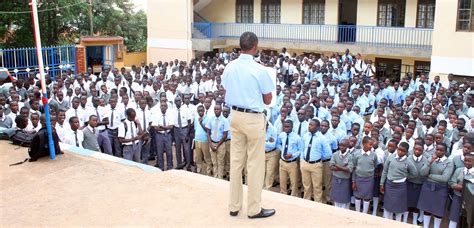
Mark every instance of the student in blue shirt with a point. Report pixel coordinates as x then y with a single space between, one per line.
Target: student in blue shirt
315 150
272 155
202 156
290 145
301 126
217 128
226 114
336 131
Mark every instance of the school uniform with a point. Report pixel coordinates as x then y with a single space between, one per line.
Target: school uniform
394 176
217 127
79 113
272 155
181 136
363 174
115 116
415 180
429 150
202 155
227 151
457 178
131 150
163 139
74 138
103 135
314 151
301 128
341 181
434 191
90 139
458 161
144 117
289 143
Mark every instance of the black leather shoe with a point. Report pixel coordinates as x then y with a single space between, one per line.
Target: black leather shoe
263 213
234 213
181 166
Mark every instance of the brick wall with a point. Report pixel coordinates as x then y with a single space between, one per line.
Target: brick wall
80 59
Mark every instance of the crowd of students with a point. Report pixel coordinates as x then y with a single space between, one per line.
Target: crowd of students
335 133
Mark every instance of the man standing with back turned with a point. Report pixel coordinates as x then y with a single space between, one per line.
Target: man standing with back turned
248 87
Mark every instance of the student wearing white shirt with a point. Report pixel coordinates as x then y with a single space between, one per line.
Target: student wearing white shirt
103 136
115 117
143 115
76 111
163 123
129 135
75 136
182 128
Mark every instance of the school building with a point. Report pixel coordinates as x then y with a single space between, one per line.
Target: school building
401 36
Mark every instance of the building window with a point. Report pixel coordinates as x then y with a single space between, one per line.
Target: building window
391 13
422 67
313 12
244 11
271 11
466 15
388 68
426 11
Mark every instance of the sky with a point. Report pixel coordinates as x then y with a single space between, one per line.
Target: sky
140 5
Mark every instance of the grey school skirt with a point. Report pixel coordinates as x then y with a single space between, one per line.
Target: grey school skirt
395 197
413 194
433 198
340 190
376 190
455 209
365 187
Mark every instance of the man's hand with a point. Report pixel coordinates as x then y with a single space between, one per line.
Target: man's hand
458 188
272 140
354 186
382 189
288 156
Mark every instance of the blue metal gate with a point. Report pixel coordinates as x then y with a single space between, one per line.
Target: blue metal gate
22 61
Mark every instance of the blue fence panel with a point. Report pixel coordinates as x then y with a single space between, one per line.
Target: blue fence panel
397 37
22 61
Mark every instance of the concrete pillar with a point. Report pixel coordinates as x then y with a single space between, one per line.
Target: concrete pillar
331 12
291 11
169 30
410 13
257 8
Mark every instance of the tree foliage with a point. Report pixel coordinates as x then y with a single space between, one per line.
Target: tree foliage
64 25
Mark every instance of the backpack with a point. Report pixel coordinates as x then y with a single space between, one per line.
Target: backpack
21 138
39 146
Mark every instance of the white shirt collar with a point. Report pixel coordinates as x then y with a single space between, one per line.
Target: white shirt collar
400 158
90 128
471 171
366 152
343 154
429 147
417 159
441 159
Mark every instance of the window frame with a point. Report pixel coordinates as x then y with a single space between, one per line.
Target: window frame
239 11
401 21
265 7
316 16
470 21
427 3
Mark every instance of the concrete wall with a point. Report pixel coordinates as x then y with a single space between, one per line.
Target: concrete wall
411 12
291 11
169 30
453 51
221 11
331 12
134 58
367 12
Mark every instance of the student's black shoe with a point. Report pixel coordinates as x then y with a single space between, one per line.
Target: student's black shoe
264 213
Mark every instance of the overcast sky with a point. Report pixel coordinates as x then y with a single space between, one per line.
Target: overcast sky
140 4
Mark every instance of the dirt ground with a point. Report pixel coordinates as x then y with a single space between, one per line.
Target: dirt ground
82 191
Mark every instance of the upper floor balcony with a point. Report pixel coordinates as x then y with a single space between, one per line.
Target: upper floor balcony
392 38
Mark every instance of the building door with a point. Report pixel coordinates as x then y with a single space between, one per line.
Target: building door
108 57
347 21
388 68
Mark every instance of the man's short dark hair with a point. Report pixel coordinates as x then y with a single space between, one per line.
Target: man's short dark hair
248 40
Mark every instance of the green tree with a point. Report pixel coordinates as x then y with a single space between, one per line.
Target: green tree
64 25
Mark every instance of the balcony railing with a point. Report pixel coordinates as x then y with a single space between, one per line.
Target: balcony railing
324 34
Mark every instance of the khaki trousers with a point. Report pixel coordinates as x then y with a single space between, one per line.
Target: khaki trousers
202 157
312 175
218 161
289 170
247 146
327 176
271 168
227 157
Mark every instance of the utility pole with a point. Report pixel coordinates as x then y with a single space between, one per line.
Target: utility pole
91 21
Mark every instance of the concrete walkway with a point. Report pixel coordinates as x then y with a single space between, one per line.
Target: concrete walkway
82 191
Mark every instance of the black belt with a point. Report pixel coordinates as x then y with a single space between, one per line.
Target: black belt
112 129
368 114
326 160
102 130
270 151
227 140
313 162
289 161
214 141
244 110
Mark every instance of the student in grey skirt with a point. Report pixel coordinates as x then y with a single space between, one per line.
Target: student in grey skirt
341 166
456 184
434 191
415 181
393 183
365 161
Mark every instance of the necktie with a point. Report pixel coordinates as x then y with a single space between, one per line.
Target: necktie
179 119
77 141
216 124
76 113
426 132
308 151
97 113
317 112
144 120
164 120
285 152
299 129
93 131
133 134
112 118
